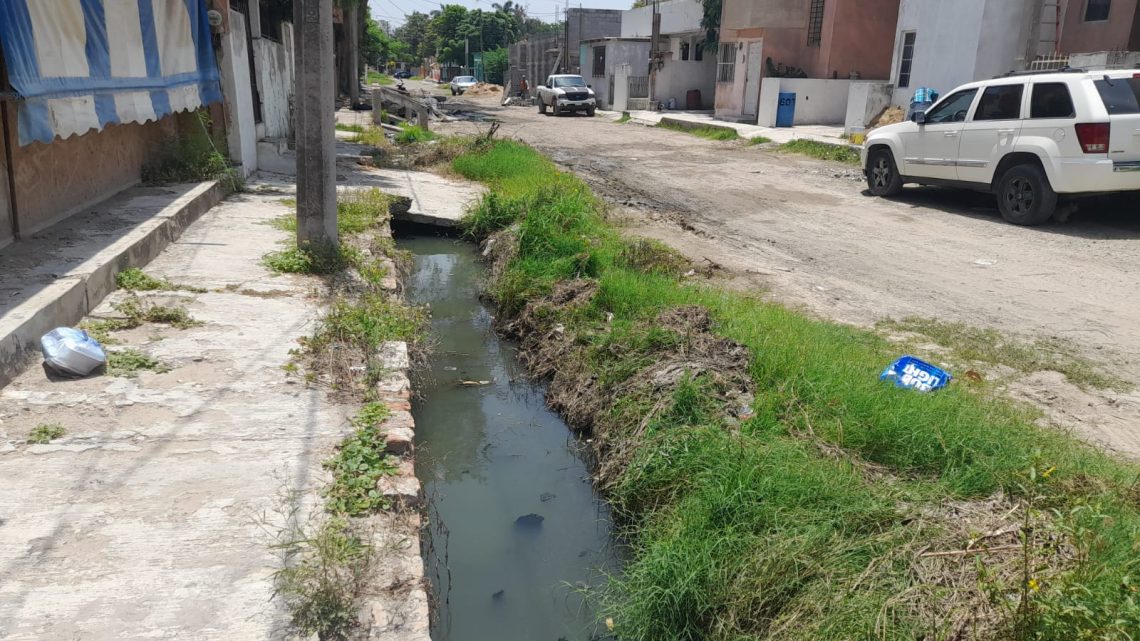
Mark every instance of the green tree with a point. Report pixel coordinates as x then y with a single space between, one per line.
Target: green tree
375 45
495 64
448 32
710 22
414 34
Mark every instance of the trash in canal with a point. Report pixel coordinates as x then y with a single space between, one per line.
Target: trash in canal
915 373
529 522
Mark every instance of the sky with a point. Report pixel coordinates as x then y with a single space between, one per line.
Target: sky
394 10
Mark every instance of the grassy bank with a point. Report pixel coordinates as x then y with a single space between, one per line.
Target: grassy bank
821 150
769 485
707 132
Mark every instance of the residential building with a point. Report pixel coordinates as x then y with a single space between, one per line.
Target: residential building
586 24
942 44
681 64
1098 25
817 39
617 70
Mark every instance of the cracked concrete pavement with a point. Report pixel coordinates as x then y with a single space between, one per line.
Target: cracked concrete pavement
142 521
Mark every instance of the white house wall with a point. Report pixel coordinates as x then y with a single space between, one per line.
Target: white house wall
678 77
677 16
818 101
960 41
241 129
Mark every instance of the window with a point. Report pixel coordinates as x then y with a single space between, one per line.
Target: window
1000 102
1120 95
726 62
953 109
1097 10
599 62
906 60
685 50
815 23
699 52
1051 100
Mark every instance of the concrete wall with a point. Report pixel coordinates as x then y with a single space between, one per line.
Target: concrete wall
677 76
535 58
241 138
677 16
588 24
1120 32
274 62
631 53
818 102
865 101
61 178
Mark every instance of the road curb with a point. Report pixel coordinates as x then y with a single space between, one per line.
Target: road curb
73 295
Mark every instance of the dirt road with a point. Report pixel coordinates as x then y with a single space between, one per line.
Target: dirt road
806 231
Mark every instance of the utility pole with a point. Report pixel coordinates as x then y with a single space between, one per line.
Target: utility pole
316 143
654 55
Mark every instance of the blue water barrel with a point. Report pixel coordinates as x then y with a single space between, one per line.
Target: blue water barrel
786 110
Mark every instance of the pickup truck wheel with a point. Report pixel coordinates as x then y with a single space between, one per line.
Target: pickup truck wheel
883 177
453 92
541 106
1025 196
554 108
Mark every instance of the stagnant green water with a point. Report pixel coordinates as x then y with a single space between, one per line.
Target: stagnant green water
516 531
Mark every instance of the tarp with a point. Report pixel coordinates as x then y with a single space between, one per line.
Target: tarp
80 65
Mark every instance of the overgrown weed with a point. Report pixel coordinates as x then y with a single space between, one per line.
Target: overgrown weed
136 280
708 132
129 362
45 433
821 151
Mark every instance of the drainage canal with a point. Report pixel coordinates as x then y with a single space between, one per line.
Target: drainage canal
516 533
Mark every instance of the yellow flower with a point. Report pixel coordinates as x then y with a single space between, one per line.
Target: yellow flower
1047 472
1033 585
610 624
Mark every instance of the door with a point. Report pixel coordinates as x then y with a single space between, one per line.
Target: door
991 132
931 150
752 60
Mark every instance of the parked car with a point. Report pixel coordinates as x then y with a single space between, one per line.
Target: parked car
459 84
1029 139
402 74
564 93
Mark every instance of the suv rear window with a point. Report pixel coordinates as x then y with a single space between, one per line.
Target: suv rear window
1051 100
1120 95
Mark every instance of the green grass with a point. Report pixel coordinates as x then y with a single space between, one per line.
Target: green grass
410 134
625 117
357 211
980 345
45 433
773 527
340 126
135 279
707 132
377 78
373 136
758 140
129 362
821 151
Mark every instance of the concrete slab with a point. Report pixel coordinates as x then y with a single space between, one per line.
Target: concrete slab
142 522
59 275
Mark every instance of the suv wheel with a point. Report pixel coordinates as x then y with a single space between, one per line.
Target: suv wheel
1025 196
883 177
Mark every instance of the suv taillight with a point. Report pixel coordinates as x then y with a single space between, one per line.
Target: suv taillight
1094 137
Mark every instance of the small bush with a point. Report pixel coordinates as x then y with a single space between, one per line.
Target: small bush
325 575
45 433
410 134
129 362
295 260
138 311
758 140
358 466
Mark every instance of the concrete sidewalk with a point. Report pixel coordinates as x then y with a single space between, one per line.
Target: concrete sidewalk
820 133
144 521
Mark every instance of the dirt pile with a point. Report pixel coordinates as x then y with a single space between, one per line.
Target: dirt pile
889 116
484 89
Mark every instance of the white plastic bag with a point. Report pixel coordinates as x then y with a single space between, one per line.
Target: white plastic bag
71 351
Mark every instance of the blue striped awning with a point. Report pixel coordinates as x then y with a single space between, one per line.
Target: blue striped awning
80 65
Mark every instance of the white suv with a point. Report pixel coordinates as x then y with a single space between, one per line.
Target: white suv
1028 139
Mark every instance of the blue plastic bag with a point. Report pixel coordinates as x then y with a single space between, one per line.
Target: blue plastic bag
915 373
71 351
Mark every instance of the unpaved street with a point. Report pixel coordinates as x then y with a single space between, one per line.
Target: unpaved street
804 230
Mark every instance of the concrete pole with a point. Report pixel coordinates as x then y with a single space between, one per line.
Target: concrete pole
354 25
316 142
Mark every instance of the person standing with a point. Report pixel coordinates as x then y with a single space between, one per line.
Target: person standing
524 88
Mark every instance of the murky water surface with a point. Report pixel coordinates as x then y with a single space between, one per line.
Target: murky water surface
516 530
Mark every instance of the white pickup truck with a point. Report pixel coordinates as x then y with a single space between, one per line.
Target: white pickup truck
563 93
